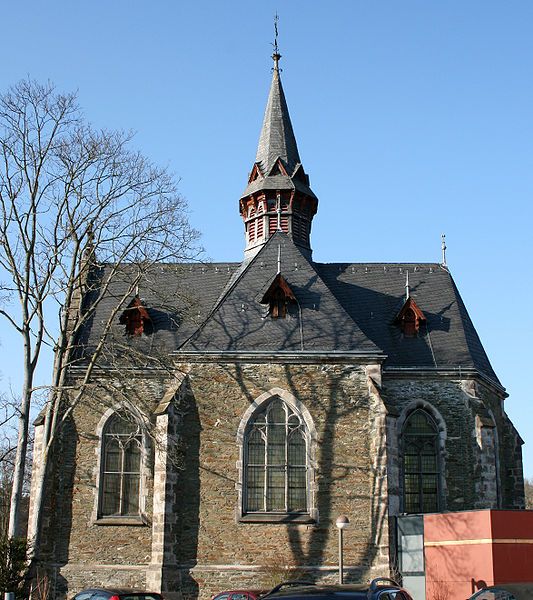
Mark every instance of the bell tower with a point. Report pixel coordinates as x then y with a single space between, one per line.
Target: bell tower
278 196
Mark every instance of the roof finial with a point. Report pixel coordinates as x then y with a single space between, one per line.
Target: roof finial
443 245
279 259
276 55
407 290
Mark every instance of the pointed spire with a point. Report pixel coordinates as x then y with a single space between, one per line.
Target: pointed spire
277 136
278 196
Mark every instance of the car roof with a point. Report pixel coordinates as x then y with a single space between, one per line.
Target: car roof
321 590
521 591
116 591
242 591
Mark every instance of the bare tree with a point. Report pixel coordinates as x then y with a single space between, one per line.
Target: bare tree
72 199
528 486
7 456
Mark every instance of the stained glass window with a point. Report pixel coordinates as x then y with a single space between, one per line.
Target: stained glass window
276 468
420 464
121 468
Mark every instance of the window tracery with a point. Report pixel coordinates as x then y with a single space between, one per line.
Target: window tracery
421 469
120 468
276 466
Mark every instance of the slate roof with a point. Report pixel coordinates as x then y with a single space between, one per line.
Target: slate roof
342 307
277 141
277 136
240 322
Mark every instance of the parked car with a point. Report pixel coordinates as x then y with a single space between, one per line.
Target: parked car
116 594
507 591
378 589
239 595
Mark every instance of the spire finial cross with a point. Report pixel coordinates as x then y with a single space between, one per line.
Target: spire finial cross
276 55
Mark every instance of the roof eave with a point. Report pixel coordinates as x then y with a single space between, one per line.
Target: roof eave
285 356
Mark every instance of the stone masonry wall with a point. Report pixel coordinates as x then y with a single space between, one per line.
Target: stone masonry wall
196 544
482 454
449 400
78 550
509 446
203 544
215 550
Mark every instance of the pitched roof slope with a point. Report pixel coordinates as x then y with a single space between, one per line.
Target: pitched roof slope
178 299
373 293
344 306
240 322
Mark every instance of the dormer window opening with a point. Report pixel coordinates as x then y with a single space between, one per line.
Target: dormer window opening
278 305
409 323
136 318
278 297
410 318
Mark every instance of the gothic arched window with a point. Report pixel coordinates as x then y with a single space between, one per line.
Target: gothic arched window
276 461
421 470
121 467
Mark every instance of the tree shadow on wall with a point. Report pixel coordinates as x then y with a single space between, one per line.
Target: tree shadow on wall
57 528
187 497
314 546
330 473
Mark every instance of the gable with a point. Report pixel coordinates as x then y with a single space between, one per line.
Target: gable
319 323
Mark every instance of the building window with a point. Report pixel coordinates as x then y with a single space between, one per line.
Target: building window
276 469
121 468
421 472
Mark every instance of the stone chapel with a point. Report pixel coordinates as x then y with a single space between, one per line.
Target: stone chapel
290 392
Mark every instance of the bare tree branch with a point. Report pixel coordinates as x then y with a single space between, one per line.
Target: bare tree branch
73 200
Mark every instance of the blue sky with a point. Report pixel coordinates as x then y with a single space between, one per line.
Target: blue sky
413 118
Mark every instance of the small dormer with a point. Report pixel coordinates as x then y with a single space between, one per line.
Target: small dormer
278 296
410 318
136 318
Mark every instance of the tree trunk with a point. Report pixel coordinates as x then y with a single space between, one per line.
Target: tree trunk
14 529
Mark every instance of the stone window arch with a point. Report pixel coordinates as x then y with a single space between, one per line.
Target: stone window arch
277 446
122 455
422 462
